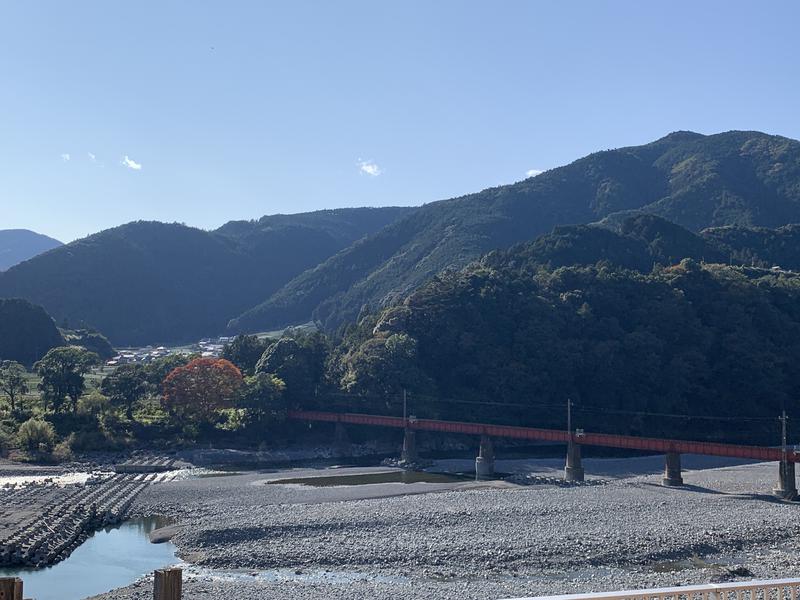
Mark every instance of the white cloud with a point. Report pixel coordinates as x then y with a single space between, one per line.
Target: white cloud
533 172
65 157
131 164
367 167
91 156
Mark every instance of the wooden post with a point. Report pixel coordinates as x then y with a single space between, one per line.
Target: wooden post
168 584
10 588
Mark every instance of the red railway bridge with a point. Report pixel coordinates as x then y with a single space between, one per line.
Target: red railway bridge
484 463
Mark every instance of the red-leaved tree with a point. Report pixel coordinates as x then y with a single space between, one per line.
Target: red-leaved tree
200 389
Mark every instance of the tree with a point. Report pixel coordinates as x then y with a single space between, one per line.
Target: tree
95 403
36 435
90 340
13 382
126 386
200 389
384 367
299 362
158 369
245 351
62 370
263 397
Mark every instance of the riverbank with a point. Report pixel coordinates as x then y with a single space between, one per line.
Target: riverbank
43 521
253 539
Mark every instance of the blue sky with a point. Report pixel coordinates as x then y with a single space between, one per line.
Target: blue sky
202 112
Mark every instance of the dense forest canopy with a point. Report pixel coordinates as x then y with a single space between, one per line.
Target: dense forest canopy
649 328
642 241
26 331
516 334
759 246
738 178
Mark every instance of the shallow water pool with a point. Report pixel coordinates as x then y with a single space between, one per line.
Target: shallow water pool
113 557
372 478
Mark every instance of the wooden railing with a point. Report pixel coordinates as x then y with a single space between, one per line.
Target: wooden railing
167 585
770 589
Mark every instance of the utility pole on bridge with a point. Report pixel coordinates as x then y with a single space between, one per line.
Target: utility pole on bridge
787 485
409 454
784 442
574 468
569 418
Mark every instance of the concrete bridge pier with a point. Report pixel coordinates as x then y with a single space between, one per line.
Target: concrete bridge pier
409 453
341 443
787 484
672 470
484 462
574 469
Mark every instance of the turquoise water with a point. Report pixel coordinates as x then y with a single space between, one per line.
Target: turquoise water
111 558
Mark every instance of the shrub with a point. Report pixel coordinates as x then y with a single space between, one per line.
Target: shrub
36 435
62 452
94 403
89 441
6 440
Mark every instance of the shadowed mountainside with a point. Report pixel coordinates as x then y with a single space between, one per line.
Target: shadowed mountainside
148 282
26 332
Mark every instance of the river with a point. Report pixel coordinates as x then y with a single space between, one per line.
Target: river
111 558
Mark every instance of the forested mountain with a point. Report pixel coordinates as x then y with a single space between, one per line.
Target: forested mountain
760 246
26 332
17 245
641 242
517 331
736 178
148 282
645 241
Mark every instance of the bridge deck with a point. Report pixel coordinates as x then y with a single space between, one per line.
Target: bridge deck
657 445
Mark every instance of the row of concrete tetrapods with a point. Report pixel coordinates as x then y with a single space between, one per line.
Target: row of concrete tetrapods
573 470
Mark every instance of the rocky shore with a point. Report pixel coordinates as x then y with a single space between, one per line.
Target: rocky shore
253 539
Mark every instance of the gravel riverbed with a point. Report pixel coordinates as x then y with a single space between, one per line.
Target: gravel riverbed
250 539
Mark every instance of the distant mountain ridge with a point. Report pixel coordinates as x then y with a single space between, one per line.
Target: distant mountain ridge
148 282
738 178
18 245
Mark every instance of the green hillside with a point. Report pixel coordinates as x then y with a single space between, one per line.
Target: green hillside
745 179
26 331
641 242
149 282
760 246
628 347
